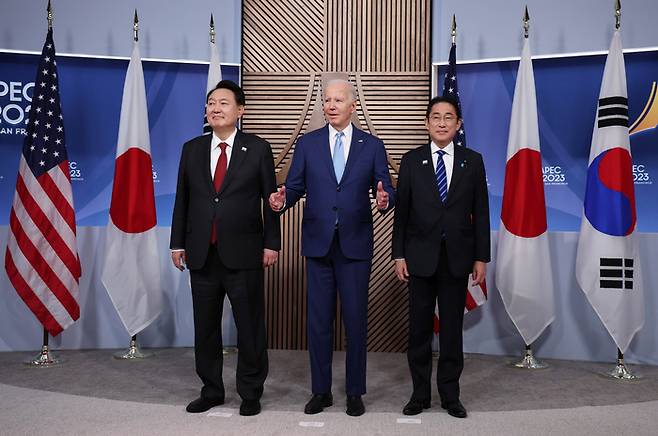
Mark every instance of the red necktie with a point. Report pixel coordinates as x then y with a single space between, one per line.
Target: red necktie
218 178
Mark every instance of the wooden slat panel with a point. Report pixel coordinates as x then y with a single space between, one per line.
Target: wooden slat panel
282 36
383 46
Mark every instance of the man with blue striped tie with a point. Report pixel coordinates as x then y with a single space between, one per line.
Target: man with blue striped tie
440 236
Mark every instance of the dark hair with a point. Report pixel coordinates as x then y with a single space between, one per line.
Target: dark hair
443 99
231 86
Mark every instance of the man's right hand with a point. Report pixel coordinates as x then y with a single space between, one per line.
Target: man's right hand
178 258
278 199
401 270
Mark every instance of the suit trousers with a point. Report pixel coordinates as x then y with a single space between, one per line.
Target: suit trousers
449 292
327 275
245 292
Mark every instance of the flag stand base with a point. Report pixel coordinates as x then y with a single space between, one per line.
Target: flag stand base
529 361
133 352
45 359
621 372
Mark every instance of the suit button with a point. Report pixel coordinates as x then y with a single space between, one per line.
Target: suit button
338 188
216 200
334 208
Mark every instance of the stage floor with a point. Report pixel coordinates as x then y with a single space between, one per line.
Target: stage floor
490 388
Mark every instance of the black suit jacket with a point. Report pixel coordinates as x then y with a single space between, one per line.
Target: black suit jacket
244 226
421 218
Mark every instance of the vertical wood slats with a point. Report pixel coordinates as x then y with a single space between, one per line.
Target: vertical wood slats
376 35
383 46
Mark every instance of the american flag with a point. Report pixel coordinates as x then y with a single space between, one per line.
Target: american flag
475 295
451 89
42 259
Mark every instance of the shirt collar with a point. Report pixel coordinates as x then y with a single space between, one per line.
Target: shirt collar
230 140
347 131
448 149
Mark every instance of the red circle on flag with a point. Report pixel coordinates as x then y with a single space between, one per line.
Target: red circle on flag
524 209
133 201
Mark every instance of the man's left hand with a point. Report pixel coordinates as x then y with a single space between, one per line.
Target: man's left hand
269 257
479 272
382 196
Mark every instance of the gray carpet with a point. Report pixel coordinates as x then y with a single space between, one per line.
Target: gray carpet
488 382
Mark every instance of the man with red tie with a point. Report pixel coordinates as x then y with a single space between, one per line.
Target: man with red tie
225 237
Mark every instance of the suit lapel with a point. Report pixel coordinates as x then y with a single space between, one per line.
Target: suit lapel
356 146
238 154
325 152
458 169
427 172
205 161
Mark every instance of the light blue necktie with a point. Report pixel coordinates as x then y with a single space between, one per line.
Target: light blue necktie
441 176
339 156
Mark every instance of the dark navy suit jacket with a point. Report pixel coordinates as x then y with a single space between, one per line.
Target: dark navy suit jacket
312 173
422 220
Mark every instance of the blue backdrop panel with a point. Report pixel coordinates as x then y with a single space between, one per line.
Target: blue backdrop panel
567 94
91 91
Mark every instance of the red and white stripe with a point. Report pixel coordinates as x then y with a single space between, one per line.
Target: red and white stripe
476 296
42 257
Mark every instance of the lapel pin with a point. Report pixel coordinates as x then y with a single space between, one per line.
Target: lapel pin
425 162
245 149
464 164
360 140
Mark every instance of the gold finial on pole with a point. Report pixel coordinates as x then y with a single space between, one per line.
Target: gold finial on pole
49 9
212 29
526 22
617 14
453 33
136 27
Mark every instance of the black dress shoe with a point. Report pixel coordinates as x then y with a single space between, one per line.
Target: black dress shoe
250 407
202 404
318 402
455 408
414 407
355 406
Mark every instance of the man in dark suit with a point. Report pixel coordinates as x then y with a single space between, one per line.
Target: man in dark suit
336 167
224 235
440 235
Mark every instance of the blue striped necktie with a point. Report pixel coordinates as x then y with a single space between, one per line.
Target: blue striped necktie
339 156
441 176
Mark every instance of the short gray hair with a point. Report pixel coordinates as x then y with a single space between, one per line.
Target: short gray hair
350 87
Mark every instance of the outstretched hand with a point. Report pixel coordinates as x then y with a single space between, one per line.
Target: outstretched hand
278 199
382 196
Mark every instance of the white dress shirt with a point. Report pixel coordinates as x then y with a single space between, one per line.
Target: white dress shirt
215 150
347 139
448 159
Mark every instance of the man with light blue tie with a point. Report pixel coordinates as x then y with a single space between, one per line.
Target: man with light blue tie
337 167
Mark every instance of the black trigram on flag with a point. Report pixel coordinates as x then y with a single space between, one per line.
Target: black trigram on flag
613 111
616 273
